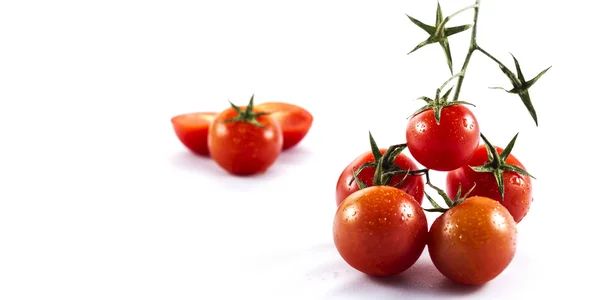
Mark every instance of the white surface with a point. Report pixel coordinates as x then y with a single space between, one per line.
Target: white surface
99 200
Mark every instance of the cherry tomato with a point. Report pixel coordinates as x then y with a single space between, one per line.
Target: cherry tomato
294 120
473 242
517 187
243 148
380 230
192 130
445 146
413 184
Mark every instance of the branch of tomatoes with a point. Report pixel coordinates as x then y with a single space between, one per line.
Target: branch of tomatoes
379 227
439 34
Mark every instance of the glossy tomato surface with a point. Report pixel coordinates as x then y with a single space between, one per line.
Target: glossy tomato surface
518 193
294 120
445 146
192 130
413 184
380 230
473 242
243 148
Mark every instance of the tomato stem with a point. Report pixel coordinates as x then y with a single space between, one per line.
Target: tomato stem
520 85
472 47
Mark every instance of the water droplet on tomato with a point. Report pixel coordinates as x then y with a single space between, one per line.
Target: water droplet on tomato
516 180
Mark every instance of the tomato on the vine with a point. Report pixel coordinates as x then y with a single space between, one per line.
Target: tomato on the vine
244 141
295 121
474 241
192 130
446 145
516 183
380 230
346 185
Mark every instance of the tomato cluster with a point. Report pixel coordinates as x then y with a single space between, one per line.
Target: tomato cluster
244 140
380 226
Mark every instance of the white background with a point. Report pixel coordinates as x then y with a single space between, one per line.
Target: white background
99 200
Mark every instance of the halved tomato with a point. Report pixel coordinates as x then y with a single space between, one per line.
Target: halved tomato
192 130
295 121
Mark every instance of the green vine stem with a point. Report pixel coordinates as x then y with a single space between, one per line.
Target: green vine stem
472 48
520 85
439 34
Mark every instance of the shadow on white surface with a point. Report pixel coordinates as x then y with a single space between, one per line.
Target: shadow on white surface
293 156
189 161
421 280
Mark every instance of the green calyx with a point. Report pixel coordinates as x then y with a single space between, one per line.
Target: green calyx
458 199
385 168
439 33
440 101
497 165
248 115
521 86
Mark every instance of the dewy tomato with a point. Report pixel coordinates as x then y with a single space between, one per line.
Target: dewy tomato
380 230
445 146
503 168
473 242
244 141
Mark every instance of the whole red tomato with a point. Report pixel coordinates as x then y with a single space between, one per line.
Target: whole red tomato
295 121
474 241
244 141
413 184
192 130
445 146
518 193
380 230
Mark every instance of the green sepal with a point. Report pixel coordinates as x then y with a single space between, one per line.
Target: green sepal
374 148
440 101
521 86
248 115
361 185
497 165
439 33
384 164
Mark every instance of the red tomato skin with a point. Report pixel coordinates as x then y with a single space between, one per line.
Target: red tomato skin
242 148
473 242
295 121
192 130
518 193
380 230
413 185
446 146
